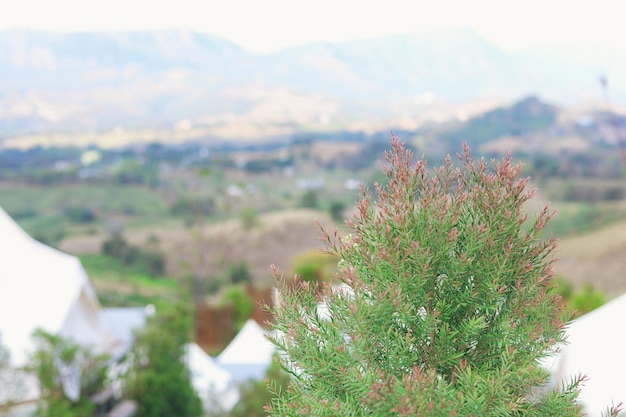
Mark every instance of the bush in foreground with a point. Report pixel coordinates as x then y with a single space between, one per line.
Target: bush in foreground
447 305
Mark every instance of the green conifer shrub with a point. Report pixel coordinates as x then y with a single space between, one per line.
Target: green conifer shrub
447 305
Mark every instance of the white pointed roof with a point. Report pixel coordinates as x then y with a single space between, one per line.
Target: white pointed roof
249 347
204 371
595 347
213 384
41 287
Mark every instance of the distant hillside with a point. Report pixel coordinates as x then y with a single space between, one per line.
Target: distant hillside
524 117
64 82
454 65
205 252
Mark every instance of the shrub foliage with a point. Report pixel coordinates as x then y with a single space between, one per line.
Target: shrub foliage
159 379
446 307
67 374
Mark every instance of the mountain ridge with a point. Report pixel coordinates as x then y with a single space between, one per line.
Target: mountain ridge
62 82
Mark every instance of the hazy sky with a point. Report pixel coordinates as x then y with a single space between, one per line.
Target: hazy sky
266 25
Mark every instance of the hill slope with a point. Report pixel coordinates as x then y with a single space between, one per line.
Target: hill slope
597 257
208 250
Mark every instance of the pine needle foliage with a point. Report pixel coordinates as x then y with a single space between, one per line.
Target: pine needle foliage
446 305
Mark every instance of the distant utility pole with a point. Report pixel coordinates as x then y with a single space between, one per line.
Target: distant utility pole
613 119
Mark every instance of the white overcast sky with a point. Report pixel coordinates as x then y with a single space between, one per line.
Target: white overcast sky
267 25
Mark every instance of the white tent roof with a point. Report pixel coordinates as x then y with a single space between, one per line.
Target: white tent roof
213 384
41 287
596 348
249 347
248 355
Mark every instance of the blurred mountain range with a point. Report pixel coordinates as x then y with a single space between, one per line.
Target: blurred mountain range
72 82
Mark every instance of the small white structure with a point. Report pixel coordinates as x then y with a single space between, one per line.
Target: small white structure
352 184
248 355
595 348
42 288
213 384
123 322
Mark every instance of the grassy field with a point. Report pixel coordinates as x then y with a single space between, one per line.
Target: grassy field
597 257
42 211
592 242
262 226
574 218
207 250
278 228
117 284
129 199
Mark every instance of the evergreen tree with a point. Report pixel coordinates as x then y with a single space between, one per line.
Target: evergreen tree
447 304
160 380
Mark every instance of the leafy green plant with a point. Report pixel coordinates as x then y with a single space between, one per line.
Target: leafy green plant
53 355
159 379
336 210
242 303
586 300
314 266
80 214
579 302
238 273
446 306
150 261
11 382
